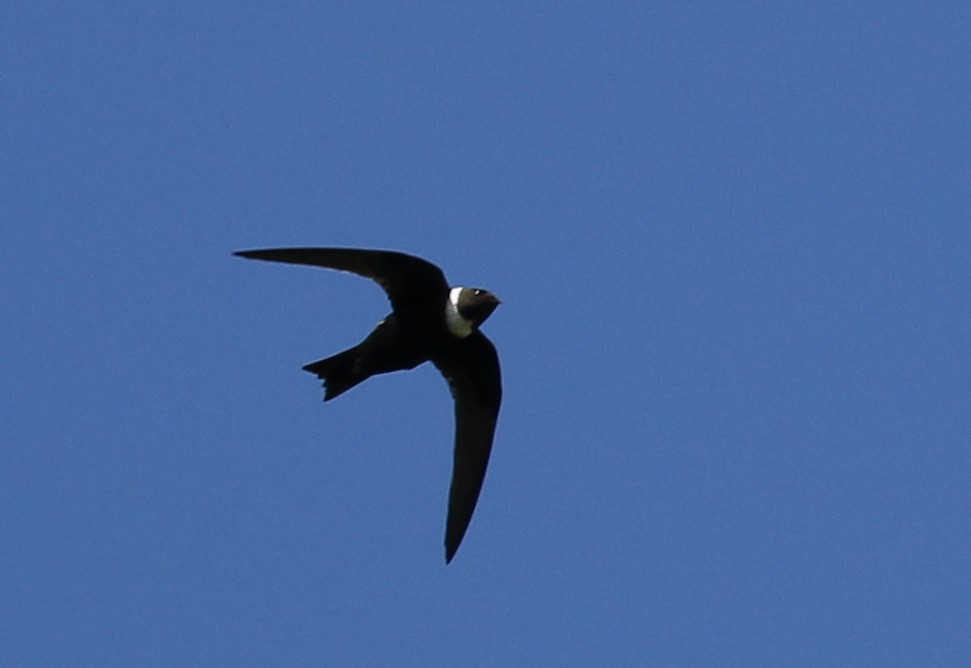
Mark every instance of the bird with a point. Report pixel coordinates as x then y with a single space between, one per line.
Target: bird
429 321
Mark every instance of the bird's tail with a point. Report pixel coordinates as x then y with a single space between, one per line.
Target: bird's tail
339 373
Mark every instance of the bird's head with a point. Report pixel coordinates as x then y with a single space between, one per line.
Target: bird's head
473 305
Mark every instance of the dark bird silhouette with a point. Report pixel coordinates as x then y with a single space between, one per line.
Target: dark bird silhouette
429 321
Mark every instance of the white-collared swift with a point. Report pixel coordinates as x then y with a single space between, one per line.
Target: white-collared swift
429 321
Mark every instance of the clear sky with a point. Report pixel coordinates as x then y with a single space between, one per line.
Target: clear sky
733 246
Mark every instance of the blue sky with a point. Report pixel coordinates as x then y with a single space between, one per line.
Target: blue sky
733 247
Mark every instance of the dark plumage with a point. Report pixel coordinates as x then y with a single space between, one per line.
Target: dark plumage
429 322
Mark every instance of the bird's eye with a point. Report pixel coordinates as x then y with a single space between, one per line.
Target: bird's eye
478 292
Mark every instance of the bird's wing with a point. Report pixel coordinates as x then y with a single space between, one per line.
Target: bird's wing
471 368
407 279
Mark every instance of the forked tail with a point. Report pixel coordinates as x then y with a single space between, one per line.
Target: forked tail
339 373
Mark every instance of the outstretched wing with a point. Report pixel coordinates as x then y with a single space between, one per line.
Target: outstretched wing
471 368
408 280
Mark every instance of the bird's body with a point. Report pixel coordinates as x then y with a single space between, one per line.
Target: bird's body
429 322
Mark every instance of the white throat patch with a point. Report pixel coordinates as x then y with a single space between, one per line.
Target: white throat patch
457 325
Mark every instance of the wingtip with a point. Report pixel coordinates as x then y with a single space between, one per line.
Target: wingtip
450 551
